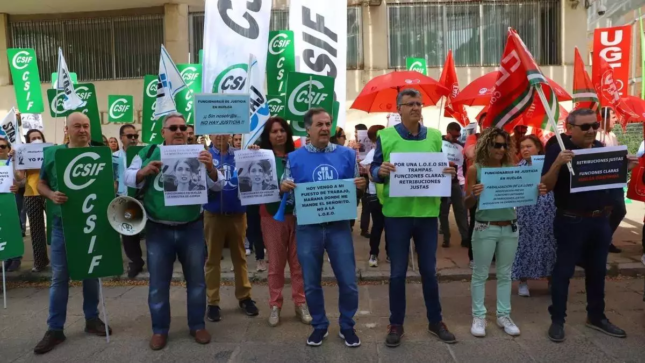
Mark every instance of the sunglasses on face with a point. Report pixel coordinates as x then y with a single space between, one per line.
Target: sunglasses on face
499 145
342 136
174 128
3 147
412 104
586 127
132 136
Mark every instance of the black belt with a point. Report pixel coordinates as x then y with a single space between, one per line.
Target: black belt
498 223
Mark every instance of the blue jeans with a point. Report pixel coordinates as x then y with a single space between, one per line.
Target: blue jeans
587 240
336 238
59 290
166 243
398 232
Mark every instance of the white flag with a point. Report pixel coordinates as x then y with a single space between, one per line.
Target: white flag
64 83
9 127
320 33
169 83
232 30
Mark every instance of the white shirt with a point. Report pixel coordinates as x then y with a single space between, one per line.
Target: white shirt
367 162
609 139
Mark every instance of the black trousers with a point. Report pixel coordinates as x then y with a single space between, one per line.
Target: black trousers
254 231
132 248
378 223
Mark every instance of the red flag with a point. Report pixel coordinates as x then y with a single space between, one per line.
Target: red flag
603 81
515 88
584 93
613 46
449 80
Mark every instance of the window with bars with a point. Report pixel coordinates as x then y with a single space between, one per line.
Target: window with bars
475 31
95 49
280 21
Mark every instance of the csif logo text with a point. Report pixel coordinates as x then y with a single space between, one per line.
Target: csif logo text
151 89
275 106
57 102
303 96
189 75
417 67
119 108
77 169
232 79
21 60
279 43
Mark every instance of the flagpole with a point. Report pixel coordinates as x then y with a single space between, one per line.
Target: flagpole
4 286
554 125
441 110
105 317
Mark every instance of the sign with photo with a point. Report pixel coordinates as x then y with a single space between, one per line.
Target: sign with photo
599 169
184 177
29 156
257 176
31 121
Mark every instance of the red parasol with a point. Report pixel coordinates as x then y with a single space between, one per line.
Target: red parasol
480 91
379 94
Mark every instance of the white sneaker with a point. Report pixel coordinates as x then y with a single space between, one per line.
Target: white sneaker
643 259
248 252
274 317
523 289
478 328
471 264
261 266
373 261
302 312
509 326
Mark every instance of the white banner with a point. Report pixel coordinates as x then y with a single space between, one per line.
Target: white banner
64 82
29 156
234 31
9 127
320 37
170 82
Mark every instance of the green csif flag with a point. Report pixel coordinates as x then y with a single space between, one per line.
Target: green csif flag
26 81
305 91
11 244
417 65
150 126
281 60
192 75
120 108
298 127
93 247
276 105
87 93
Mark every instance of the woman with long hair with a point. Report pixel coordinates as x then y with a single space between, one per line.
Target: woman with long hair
496 233
184 172
113 144
258 178
536 249
280 237
35 206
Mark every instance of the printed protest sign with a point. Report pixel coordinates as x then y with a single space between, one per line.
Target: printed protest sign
466 131
599 169
257 176
454 152
537 161
365 144
509 187
31 121
120 108
326 201
93 247
305 91
184 177
417 65
281 60
6 178
150 126
29 156
85 92
393 119
419 175
26 81
276 105
222 113
192 76
11 244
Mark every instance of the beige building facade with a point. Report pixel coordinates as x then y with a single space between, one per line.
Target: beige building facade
381 33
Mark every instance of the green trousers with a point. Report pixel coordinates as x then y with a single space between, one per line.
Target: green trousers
489 241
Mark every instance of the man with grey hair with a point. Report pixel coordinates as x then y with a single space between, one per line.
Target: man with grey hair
582 228
171 233
321 160
410 217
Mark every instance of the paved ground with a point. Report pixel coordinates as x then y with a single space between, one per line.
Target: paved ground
452 263
238 338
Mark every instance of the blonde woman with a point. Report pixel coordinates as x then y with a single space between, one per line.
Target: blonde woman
496 233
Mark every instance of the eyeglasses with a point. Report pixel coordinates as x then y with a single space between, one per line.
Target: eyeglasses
499 145
412 104
586 127
174 128
4 146
134 136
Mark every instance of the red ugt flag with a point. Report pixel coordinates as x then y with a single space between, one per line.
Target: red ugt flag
449 80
